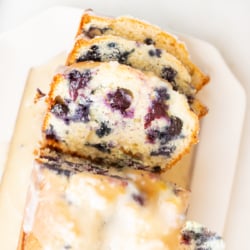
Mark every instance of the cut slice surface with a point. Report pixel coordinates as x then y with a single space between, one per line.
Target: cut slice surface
117 114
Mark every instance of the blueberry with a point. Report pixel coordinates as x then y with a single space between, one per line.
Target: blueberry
156 169
153 135
103 130
81 113
139 199
162 94
111 45
157 110
164 150
60 110
78 80
103 147
175 127
156 52
149 41
123 57
50 134
95 31
151 52
169 132
168 74
93 54
120 100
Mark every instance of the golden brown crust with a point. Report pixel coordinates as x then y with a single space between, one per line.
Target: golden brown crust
137 30
29 242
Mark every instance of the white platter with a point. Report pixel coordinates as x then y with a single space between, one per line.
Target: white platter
216 157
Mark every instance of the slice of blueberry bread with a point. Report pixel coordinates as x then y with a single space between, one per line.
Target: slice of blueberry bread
195 236
84 210
141 56
109 112
137 30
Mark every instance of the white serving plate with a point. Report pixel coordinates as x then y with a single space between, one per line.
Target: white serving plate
215 161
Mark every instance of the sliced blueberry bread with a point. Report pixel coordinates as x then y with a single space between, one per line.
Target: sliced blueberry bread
109 112
137 30
76 210
141 56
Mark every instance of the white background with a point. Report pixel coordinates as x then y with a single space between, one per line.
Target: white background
224 24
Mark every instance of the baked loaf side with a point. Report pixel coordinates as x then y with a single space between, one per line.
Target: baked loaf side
83 210
141 56
119 115
137 30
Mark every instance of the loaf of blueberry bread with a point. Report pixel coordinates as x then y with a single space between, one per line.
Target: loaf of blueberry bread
137 30
141 56
70 207
109 112
75 204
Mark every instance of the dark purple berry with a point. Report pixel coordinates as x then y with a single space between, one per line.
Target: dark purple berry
162 94
120 100
149 41
60 110
81 113
50 134
94 31
78 80
103 130
158 107
156 169
151 52
111 45
175 127
139 199
156 52
93 54
153 135
123 57
164 150
157 110
103 147
168 74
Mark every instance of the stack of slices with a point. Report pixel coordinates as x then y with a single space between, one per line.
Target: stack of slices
122 111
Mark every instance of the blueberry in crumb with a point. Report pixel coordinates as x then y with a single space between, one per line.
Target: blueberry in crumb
149 41
60 110
153 135
50 133
168 133
139 199
111 45
123 57
168 74
82 113
103 147
103 130
175 127
156 52
120 99
94 31
164 151
156 169
93 54
158 108
78 80
162 93
67 247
